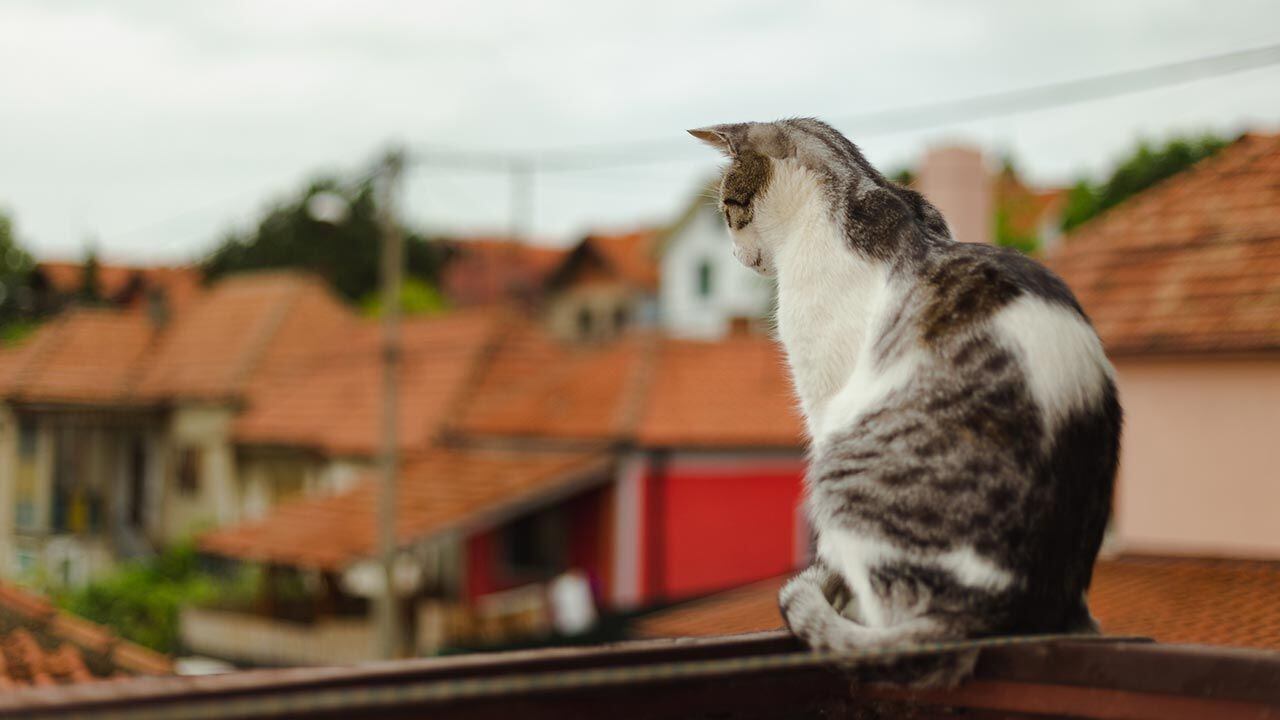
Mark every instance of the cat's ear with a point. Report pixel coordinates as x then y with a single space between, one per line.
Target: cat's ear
719 137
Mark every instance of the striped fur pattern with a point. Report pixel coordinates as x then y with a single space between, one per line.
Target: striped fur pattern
963 417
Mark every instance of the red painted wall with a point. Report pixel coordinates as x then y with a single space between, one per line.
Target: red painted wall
481 557
710 529
588 520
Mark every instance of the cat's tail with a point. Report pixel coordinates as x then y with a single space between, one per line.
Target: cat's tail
806 604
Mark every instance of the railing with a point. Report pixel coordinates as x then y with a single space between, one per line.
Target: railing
262 640
755 676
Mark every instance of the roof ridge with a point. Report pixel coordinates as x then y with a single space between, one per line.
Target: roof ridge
1156 191
257 350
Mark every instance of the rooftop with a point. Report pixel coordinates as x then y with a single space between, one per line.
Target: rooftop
41 645
1177 600
441 490
1191 265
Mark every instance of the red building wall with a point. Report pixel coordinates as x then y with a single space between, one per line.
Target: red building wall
709 528
589 535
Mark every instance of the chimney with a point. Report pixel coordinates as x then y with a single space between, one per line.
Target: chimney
157 307
955 179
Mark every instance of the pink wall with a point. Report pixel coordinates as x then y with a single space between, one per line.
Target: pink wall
1200 467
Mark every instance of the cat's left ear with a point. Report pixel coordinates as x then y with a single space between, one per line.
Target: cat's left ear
719 137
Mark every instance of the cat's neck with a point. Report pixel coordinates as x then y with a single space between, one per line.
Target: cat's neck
826 293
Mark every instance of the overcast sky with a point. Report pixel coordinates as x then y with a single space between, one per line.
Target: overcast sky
151 127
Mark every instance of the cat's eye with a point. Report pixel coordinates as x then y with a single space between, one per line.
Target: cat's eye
734 202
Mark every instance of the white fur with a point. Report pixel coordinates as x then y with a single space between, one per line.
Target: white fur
854 556
826 293
1064 360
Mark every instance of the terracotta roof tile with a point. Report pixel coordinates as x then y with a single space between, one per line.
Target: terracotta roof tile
441 490
489 270
255 323
41 645
180 284
332 402
733 392
84 355
534 385
1214 602
632 255
1190 265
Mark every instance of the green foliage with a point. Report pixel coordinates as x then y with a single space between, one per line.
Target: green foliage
1006 236
1144 168
345 251
141 600
902 176
416 298
16 266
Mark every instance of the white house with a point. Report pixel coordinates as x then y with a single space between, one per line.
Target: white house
702 288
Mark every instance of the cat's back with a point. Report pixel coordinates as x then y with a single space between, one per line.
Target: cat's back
978 300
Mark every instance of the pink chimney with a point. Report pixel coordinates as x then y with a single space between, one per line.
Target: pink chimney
955 179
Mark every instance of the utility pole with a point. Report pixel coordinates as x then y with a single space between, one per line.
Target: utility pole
520 174
390 640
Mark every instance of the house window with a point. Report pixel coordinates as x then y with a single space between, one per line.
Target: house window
704 279
584 322
620 317
189 471
533 546
137 481
27 438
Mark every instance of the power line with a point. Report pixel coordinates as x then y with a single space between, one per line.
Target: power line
881 122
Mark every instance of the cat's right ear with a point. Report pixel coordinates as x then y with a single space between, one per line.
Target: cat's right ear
717 136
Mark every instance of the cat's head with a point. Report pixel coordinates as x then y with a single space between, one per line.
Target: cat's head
779 169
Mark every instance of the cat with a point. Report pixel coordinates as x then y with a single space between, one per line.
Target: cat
963 419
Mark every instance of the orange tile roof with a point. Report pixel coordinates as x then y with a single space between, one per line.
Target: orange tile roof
82 356
734 392
632 255
1190 265
41 645
333 403
181 284
254 324
441 490
533 385
1176 600
489 270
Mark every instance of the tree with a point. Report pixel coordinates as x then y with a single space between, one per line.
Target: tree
345 250
16 267
1144 168
90 292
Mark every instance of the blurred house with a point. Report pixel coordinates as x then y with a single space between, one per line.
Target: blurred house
56 285
603 286
121 431
484 270
41 645
627 463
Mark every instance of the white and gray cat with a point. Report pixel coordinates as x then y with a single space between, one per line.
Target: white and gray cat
963 416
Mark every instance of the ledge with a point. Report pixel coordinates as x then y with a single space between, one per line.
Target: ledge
764 675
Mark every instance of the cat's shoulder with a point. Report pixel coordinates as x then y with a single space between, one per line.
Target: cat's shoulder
970 282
